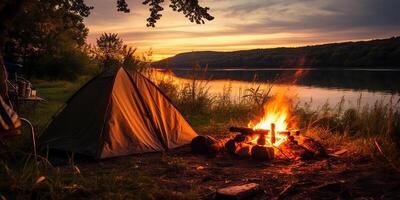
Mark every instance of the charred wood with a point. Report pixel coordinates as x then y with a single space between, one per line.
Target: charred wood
312 145
294 151
262 153
247 131
231 146
206 145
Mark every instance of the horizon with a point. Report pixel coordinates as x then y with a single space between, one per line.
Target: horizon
245 25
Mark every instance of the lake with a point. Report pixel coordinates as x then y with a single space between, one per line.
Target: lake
312 85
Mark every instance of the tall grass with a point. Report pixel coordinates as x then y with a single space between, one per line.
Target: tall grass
369 130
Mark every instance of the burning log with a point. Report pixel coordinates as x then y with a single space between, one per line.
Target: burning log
248 131
231 146
262 153
273 133
261 139
242 138
206 145
244 150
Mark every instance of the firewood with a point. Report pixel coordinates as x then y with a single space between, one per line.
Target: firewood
240 138
205 145
261 139
244 150
231 146
238 192
247 131
287 133
295 132
262 153
273 133
312 145
295 151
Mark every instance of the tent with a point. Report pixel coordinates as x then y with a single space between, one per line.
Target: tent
117 113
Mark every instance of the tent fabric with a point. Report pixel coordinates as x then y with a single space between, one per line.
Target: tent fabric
115 114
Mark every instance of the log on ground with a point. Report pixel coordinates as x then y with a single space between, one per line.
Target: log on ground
262 153
206 145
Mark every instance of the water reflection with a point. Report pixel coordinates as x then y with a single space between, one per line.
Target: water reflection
315 86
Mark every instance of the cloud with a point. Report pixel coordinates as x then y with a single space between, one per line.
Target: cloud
241 24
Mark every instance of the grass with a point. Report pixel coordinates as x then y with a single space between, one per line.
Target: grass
358 129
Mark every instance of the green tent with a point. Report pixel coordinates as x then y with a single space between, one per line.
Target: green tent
117 113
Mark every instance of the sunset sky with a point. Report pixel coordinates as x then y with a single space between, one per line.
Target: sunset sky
247 24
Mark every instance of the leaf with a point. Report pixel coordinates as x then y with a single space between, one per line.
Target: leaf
40 179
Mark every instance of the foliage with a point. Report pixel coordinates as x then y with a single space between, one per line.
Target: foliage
190 8
111 52
45 34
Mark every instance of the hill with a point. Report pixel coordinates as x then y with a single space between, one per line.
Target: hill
381 53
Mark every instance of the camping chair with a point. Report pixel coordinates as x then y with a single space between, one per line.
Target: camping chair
10 125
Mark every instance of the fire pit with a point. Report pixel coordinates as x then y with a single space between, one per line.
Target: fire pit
270 136
274 135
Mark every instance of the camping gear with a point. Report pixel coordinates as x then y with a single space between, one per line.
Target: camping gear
117 113
10 123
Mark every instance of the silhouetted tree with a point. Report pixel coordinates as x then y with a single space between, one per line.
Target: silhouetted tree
109 50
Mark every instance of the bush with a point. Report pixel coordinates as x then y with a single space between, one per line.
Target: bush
68 64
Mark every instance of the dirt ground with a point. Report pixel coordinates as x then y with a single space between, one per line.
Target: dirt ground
343 177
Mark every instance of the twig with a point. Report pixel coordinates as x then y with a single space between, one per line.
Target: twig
386 158
289 189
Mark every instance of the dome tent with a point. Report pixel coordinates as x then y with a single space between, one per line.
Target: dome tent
117 113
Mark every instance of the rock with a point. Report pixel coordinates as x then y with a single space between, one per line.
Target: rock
238 192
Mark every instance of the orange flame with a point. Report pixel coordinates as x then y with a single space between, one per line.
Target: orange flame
275 112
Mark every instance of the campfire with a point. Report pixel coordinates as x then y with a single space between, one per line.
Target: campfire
273 135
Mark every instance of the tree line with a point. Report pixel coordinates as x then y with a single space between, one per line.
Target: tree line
382 53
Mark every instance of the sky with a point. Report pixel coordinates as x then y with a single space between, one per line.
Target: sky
247 24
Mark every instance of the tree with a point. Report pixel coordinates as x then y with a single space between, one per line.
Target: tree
130 61
10 9
109 50
43 33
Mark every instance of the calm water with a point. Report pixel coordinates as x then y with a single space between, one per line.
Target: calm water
306 85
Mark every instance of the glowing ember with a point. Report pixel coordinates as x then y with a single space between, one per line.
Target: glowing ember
276 113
